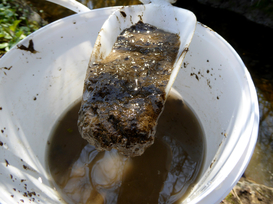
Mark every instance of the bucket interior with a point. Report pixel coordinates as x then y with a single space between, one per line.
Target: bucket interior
36 88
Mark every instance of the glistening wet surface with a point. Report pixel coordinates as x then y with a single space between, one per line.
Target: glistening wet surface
165 173
124 93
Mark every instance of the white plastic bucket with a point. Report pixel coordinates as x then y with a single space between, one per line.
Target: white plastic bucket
36 88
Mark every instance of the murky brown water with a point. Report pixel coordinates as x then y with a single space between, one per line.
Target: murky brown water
163 174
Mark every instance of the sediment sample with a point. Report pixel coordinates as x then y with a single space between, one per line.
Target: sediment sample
124 94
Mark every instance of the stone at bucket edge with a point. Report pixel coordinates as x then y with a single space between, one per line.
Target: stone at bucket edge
249 192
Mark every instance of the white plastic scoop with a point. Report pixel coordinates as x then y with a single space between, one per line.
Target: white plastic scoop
159 13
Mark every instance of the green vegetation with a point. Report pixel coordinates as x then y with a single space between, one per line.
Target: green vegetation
14 24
